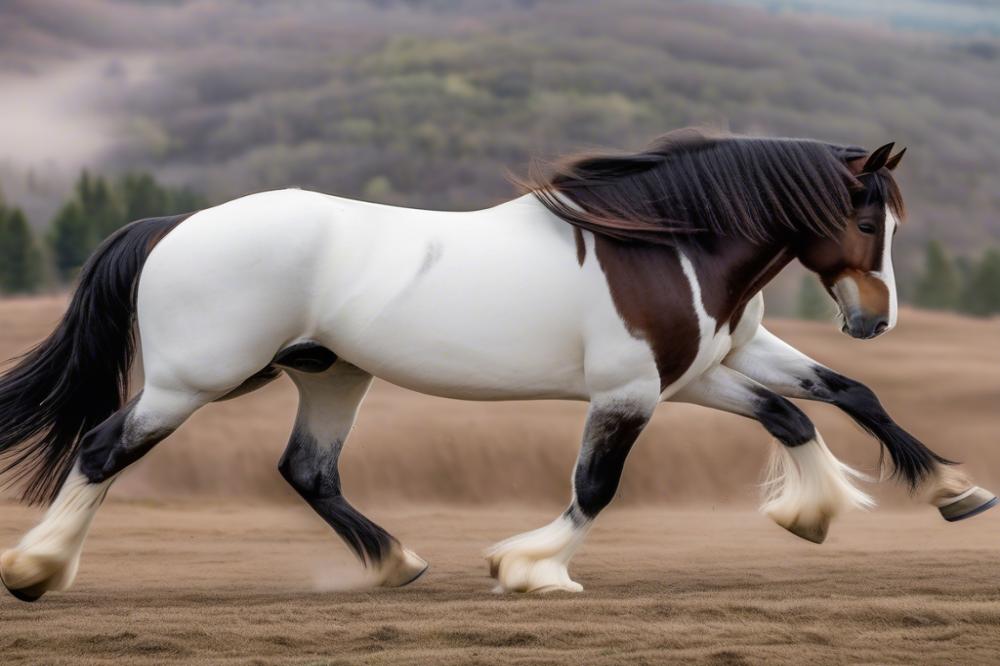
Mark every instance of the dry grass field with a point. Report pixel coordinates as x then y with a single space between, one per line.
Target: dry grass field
201 554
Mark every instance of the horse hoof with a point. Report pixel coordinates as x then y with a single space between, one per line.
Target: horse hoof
29 593
404 568
571 586
971 503
810 531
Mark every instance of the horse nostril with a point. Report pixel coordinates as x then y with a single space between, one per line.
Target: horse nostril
881 326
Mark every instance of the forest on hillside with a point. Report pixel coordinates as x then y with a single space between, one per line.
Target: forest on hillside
428 103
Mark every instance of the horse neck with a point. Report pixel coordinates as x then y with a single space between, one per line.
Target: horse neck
731 271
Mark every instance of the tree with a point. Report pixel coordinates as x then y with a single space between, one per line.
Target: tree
981 295
20 261
100 205
142 197
71 239
97 209
939 288
814 304
94 212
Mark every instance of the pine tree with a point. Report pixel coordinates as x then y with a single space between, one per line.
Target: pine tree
142 197
981 295
939 287
93 214
97 210
100 206
814 304
20 261
185 200
71 237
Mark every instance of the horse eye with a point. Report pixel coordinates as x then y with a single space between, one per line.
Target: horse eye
866 228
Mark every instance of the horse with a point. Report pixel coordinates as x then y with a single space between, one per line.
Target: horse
622 279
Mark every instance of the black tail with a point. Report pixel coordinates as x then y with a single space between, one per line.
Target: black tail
78 376
912 461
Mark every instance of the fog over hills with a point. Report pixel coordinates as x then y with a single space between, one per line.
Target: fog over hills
426 103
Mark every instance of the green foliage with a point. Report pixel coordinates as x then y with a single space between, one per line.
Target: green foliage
20 261
939 288
142 196
71 237
813 301
98 208
981 295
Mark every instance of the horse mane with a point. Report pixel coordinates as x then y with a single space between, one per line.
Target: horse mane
687 184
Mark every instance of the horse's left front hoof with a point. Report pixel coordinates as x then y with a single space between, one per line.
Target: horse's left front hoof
971 503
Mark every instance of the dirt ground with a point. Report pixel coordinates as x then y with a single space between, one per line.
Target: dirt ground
202 555
225 584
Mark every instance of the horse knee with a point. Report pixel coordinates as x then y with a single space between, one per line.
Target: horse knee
786 422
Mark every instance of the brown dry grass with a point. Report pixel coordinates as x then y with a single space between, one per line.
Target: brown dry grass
938 374
225 584
174 574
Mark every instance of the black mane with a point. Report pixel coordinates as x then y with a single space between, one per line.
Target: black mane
687 184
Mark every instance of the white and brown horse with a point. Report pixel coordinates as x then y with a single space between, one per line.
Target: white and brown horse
623 280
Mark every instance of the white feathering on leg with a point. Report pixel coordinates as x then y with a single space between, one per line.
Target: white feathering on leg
805 486
537 561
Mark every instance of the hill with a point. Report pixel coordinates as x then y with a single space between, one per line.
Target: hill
427 102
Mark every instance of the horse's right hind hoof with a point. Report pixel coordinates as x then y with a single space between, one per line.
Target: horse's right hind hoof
971 503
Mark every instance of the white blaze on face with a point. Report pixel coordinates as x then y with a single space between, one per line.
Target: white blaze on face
885 273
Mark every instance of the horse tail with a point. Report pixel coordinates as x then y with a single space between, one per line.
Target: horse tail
78 376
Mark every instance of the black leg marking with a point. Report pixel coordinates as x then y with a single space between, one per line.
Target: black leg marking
312 471
786 422
308 357
911 459
608 439
115 444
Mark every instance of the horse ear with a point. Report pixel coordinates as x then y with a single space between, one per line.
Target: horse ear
893 161
878 158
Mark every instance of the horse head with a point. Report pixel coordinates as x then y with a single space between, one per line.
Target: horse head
855 265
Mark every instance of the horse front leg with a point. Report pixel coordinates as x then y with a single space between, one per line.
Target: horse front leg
806 486
538 561
785 370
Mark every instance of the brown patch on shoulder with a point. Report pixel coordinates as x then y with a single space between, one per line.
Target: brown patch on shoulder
731 274
581 245
654 299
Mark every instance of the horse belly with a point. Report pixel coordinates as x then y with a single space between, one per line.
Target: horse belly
456 350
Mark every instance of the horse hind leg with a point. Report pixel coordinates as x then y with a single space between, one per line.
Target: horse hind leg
48 556
329 398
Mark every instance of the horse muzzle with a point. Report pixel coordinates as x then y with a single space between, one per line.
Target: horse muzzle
865 326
